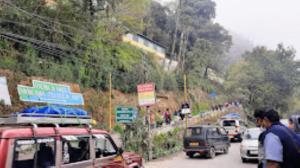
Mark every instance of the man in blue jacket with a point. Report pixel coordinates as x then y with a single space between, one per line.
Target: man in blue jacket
281 146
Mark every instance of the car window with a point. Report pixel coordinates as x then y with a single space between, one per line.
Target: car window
252 135
104 146
213 132
75 149
222 131
31 153
194 131
227 123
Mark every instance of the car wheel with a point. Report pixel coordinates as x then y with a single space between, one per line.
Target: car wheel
226 150
211 153
244 160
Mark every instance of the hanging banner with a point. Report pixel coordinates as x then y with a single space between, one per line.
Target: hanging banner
146 94
51 93
4 94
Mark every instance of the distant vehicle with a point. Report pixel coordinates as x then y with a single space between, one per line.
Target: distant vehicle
285 122
249 145
205 140
30 140
234 126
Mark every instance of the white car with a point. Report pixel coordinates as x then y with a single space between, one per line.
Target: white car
249 146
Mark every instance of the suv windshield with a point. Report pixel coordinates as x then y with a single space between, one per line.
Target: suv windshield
227 123
194 131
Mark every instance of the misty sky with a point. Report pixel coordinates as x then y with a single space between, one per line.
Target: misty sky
263 22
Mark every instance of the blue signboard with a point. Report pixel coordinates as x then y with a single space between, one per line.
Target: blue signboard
213 95
51 93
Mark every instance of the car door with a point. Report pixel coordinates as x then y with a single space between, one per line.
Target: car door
224 140
213 137
106 152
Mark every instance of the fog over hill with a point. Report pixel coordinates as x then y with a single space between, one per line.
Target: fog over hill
239 47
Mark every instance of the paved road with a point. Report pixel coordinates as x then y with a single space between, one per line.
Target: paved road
180 160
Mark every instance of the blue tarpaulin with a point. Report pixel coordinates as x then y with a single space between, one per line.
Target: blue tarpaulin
232 115
55 110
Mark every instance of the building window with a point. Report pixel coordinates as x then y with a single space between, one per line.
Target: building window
140 40
135 38
146 43
130 36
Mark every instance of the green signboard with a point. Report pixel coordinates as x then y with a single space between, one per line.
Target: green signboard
126 114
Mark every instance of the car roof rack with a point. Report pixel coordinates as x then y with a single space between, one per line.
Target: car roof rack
37 118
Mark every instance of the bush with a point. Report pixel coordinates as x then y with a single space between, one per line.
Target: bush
170 142
199 108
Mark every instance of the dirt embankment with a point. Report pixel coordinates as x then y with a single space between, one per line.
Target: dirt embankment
96 102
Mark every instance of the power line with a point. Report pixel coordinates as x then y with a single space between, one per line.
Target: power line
30 25
51 52
43 19
48 45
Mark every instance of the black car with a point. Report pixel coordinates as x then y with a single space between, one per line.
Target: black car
205 140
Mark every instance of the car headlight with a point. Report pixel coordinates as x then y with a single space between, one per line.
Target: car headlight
128 161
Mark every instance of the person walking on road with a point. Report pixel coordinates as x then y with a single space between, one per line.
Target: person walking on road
281 149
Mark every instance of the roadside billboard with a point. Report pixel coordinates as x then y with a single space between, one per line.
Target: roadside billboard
146 94
51 93
4 94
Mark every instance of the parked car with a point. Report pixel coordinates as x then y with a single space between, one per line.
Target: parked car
234 126
249 146
205 140
49 144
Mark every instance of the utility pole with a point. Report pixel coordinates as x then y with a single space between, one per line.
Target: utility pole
110 102
185 99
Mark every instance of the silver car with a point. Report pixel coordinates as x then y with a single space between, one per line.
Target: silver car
249 145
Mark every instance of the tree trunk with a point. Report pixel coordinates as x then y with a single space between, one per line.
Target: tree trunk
180 46
177 21
185 45
206 72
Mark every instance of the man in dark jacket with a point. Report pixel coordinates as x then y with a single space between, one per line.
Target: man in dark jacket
281 149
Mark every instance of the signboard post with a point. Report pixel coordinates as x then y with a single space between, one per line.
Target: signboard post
146 94
126 114
4 94
52 93
146 97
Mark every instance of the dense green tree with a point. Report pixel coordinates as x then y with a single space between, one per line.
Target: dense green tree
264 78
